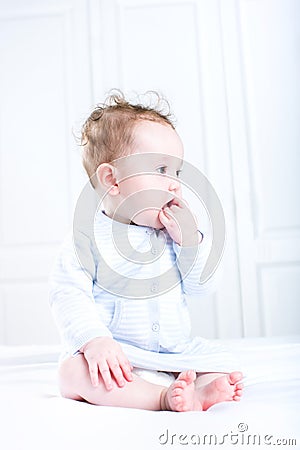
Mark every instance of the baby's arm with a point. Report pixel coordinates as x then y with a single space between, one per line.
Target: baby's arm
74 310
190 247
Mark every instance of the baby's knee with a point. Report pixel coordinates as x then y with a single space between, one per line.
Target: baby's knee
71 372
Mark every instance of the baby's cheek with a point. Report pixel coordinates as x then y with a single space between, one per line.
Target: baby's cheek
179 192
149 218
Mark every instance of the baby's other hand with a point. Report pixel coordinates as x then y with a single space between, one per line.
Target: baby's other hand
105 356
180 223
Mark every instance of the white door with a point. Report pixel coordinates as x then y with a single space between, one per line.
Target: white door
262 67
44 87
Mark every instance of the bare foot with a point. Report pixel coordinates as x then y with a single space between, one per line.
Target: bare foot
180 396
222 389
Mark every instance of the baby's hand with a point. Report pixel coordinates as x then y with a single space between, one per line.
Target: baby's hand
105 355
180 223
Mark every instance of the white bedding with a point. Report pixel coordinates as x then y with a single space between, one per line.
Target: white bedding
34 416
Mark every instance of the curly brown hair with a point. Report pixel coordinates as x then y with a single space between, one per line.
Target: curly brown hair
107 134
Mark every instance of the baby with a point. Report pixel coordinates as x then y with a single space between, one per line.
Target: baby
120 304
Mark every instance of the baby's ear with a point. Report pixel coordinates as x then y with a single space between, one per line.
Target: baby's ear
107 179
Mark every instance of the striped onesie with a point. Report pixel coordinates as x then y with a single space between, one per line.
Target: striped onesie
153 327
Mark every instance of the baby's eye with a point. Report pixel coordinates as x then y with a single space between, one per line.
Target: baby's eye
162 169
178 173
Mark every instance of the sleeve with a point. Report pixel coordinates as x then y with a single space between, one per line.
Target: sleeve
71 295
191 262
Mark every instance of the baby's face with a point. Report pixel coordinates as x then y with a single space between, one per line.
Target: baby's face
148 178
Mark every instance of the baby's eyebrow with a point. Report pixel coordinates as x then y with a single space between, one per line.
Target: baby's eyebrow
169 160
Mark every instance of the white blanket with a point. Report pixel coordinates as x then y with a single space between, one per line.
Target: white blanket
33 416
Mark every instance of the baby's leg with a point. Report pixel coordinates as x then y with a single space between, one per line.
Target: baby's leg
185 394
75 383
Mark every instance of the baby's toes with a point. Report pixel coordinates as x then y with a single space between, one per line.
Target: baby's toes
239 389
189 376
178 402
182 404
180 384
235 377
177 392
238 392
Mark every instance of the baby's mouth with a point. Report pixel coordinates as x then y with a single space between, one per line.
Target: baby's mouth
169 203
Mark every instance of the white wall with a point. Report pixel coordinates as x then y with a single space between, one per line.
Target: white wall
230 70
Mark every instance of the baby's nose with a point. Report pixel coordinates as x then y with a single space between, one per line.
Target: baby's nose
174 185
